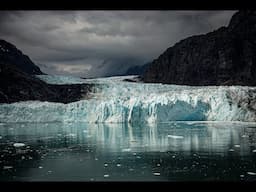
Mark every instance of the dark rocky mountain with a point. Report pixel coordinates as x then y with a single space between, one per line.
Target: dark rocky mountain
137 70
226 56
15 85
18 84
10 54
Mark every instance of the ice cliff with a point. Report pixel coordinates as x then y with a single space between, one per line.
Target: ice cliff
114 100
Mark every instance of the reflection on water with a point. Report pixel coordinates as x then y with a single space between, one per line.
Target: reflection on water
98 152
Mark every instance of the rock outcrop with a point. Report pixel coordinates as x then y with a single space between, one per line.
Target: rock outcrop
226 56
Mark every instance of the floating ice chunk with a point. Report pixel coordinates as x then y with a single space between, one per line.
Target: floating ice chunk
126 150
251 173
105 165
158 165
106 175
175 136
245 136
85 131
156 174
118 165
231 150
40 167
1 137
237 146
7 167
18 144
254 151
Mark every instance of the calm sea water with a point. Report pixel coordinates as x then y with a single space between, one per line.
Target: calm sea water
177 151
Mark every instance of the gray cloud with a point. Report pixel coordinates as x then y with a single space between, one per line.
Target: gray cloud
99 43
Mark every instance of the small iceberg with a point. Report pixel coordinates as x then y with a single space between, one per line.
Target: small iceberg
156 174
175 136
126 150
18 144
251 173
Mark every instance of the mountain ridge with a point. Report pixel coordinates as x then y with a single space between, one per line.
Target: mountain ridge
224 56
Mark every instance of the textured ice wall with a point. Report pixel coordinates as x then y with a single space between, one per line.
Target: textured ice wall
117 101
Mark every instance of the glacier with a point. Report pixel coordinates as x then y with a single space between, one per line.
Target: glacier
114 100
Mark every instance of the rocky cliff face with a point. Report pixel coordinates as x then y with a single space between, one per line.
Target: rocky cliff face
10 54
226 56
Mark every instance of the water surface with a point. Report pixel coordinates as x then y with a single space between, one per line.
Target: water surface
176 151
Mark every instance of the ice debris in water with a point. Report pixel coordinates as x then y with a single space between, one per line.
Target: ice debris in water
156 174
118 165
18 144
126 150
237 146
231 150
175 136
251 173
7 167
254 151
117 101
106 175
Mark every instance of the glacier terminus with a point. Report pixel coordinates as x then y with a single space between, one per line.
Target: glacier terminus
114 100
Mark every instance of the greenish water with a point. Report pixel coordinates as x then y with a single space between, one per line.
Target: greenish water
177 151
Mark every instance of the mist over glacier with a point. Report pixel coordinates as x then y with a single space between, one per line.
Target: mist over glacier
114 100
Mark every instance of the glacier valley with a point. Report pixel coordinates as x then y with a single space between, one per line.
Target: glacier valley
114 100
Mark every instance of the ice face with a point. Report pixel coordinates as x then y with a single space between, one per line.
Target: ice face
116 101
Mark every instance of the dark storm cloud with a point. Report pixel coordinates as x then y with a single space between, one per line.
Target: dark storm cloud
99 43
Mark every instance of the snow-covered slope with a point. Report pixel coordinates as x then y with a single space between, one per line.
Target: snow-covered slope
115 101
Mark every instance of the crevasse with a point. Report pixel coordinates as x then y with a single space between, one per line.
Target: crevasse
116 101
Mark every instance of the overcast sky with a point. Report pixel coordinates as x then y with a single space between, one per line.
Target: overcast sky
100 43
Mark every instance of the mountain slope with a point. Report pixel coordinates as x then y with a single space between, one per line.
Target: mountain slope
223 57
10 54
18 83
137 70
